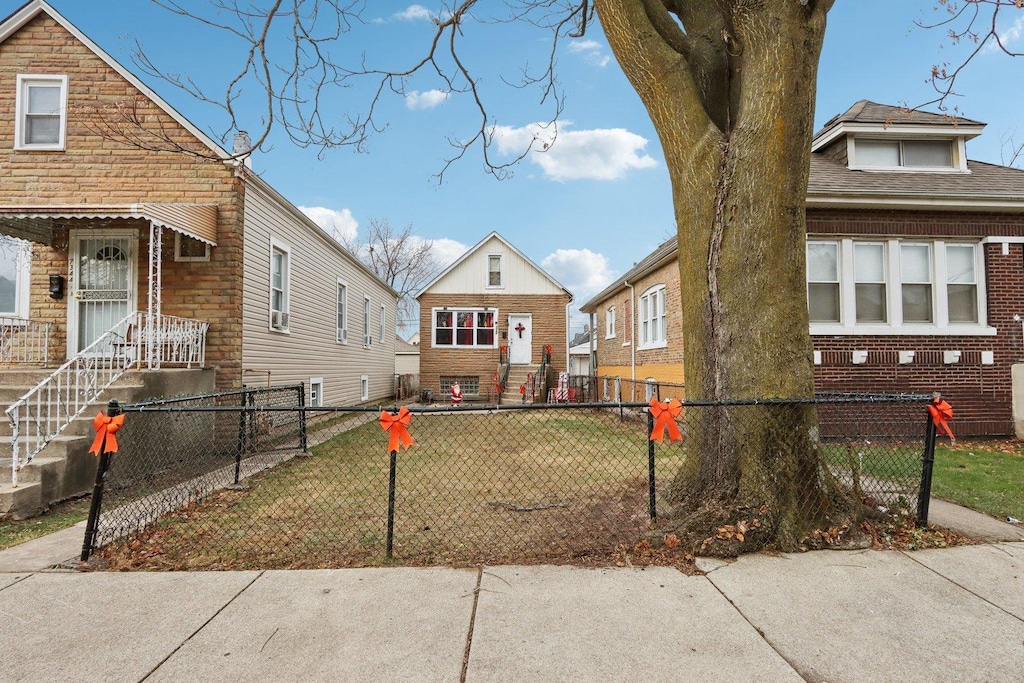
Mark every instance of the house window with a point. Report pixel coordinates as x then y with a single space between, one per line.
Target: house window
190 249
342 310
494 278
823 281
609 323
903 153
895 287
367 337
962 283
383 315
469 385
916 282
869 275
279 277
465 327
316 391
41 120
652 317
15 262
364 388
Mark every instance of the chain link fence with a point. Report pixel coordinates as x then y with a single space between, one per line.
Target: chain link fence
252 480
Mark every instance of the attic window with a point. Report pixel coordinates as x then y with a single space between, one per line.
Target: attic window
894 154
41 105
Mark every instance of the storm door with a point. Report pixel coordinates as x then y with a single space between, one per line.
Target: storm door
102 283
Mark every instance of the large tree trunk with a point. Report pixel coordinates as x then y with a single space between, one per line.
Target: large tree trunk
733 104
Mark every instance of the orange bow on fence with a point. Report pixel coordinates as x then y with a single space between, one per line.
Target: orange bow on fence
941 413
397 424
105 427
665 415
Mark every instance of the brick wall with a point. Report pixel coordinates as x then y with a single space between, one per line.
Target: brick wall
97 168
548 329
980 394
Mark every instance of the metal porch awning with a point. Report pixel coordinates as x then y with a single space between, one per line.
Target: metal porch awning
36 223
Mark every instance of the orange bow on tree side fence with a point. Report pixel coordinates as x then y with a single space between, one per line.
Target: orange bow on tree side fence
665 415
106 427
397 424
941 413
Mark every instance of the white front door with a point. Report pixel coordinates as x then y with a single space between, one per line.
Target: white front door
520 338
101 284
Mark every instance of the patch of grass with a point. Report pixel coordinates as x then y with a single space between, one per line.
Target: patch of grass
985 476
60 516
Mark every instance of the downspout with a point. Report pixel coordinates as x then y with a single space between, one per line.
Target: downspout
568 336
632 336
593 344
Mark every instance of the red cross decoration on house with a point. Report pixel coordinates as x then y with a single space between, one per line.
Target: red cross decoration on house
519 328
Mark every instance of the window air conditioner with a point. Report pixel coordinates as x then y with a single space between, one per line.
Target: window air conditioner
278 320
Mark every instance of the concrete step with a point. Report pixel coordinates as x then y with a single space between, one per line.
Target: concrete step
23 376
22 502
42 466
57 449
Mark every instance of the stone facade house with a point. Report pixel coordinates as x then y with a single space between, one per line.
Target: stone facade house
132 241
915 267
492 311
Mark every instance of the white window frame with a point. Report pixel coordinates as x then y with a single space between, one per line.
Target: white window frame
316 392
455 317
501 271
383 320
186 259
894 293
652 320
609 322
22 252
959 153
364 388
341 302
277 246
24 81
367 337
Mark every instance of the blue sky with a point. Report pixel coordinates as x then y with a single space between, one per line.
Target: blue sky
600 199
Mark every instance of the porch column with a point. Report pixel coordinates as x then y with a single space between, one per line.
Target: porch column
156 244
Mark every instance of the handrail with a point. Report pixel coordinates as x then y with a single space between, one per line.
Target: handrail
43 413
503 383
24 341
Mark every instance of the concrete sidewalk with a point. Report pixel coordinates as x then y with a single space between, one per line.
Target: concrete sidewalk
939 615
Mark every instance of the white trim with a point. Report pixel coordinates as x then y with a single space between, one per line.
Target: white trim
31 9
609 317
454 310
364 387
277 245
316 381
341 333
383 321
957 153
955 127
909 201
186 259
74 244
651 340
22 258
21 102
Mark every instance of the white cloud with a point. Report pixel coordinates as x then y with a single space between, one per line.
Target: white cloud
414 13
599 154
1007 36
339 224
583 272
425 100
446 251
591 51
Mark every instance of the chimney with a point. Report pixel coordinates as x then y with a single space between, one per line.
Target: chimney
243 148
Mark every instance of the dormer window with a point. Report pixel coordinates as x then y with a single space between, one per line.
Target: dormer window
904 154
41 119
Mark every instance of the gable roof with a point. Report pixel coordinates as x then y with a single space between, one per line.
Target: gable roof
664 253
30 10
476 247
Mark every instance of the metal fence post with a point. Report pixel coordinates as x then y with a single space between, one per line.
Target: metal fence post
928 463
91 527
653 504
391 503
240 448
302 417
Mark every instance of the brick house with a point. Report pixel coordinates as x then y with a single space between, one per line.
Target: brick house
146 245
492 309
915 266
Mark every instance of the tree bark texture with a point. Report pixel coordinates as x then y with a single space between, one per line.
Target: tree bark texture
731 93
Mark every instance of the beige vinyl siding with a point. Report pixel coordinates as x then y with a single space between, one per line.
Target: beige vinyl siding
310 348
519 276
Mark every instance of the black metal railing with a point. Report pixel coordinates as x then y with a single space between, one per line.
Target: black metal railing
246 480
